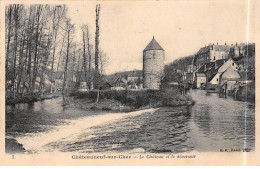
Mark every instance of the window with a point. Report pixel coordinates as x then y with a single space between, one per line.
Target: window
232 64
217 79
214 58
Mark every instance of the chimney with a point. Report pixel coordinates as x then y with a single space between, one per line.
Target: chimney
225 43
236 43
217 43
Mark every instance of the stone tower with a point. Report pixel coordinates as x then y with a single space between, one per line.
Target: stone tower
153 65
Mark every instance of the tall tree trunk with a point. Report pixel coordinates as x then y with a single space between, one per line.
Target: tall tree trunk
30 49
16 17
60 53
44 65
89 60
10 8
38 13
69 29
21 62
84 55
97 46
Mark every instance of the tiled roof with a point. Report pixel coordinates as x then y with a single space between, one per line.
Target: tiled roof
204 49
213 75
220 62
120 79
201 75
225 48
153 45
211 66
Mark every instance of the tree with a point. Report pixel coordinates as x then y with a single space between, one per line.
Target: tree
84 36
103 61
97 73
9 30
69 30
58 16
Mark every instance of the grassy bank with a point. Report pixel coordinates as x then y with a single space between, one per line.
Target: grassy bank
130 99
27 98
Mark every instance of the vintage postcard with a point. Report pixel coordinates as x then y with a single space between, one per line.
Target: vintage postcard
129 82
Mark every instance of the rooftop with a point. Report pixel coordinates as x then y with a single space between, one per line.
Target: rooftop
217 47
153 45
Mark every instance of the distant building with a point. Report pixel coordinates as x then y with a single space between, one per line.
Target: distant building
190 68
120 83
57 82
200 79
214 78
189 78
184 77
211 53
153 65
237 51
229 77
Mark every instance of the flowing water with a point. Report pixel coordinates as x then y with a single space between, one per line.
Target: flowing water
212 124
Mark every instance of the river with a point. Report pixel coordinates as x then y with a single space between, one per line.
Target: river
212 124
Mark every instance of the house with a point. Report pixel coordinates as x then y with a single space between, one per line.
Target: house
189 78
134 76
200 79
228 78
190 68
135 80
222 67
184 77
57 82
120 83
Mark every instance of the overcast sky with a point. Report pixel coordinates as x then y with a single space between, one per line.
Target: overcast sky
180 27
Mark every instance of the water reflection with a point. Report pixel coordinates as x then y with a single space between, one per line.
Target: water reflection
226 122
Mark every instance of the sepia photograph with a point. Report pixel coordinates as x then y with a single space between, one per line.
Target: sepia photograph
157 80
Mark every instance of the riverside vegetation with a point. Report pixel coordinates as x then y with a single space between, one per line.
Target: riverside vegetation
129 100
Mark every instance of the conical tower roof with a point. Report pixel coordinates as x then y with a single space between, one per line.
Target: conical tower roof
153 45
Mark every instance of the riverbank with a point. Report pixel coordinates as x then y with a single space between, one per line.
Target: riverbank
28 98
129 100
12 146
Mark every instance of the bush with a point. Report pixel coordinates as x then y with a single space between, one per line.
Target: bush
139 98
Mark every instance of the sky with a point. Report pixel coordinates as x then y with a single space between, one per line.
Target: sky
180 27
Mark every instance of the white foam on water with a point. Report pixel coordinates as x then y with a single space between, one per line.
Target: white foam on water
36 142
